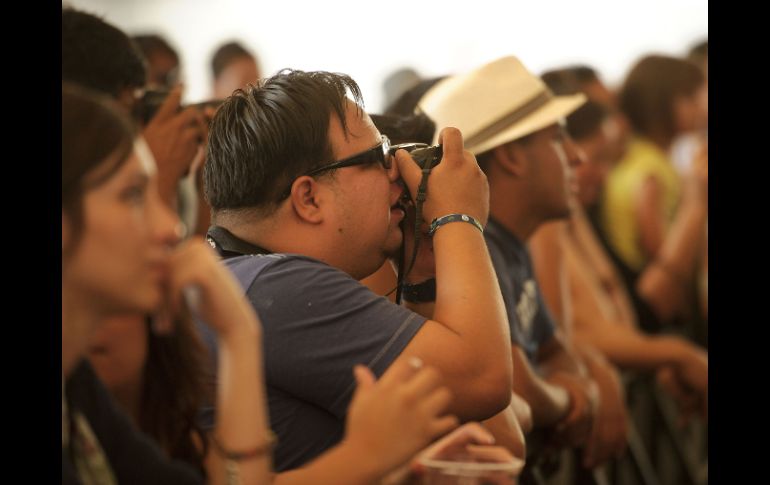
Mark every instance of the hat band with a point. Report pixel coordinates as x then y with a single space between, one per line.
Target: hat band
513 117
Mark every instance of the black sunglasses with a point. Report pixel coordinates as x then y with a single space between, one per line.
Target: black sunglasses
381 153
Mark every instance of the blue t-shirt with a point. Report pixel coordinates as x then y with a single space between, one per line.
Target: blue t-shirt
318 322
530 322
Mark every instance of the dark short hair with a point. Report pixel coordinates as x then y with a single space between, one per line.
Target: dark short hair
570 79
149 44
225 55
650 88
699 53
588 118
417 128
406 104
263 137
94 131
98 55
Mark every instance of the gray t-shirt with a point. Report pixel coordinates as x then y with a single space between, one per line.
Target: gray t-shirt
318 322
531 323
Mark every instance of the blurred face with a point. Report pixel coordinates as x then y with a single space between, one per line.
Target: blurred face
118 352
121 261
163 70
552 156
597 151
365 216
598 92
692 112
239 73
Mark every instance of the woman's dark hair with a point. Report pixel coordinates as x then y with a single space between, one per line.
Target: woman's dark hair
650 89
176 385
97 139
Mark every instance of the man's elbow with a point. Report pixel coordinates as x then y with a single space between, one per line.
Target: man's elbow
487 396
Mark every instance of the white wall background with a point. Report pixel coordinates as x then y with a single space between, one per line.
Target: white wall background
368 40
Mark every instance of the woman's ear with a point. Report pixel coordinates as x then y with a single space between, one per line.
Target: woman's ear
306 199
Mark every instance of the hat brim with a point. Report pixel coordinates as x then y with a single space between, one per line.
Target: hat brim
557 108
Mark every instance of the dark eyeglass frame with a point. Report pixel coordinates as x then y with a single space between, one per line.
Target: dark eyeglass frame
380 153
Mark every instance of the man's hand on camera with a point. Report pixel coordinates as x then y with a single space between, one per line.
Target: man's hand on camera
455 186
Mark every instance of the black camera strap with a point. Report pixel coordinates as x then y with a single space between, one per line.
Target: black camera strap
426 165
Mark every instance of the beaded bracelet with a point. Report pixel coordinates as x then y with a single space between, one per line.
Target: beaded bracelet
440 221
259 450
232 474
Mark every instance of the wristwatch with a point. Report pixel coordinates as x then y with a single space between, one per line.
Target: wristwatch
421 292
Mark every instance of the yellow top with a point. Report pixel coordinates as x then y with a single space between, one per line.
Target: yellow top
618 213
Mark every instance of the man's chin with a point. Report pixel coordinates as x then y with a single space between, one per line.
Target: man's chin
393 246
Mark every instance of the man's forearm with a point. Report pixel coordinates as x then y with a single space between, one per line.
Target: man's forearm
627 348
556 356
468 299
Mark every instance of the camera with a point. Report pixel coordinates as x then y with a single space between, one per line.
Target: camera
425 156
148 104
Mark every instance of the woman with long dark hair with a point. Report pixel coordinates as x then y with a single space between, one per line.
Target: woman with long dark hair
159 379
121 254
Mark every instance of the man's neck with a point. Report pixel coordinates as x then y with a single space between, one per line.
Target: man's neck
265 232
78 319
285 238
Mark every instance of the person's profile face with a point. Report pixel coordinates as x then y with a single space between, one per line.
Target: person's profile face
121 259
365 195
237 75
691 112
592 173
552 156
163 71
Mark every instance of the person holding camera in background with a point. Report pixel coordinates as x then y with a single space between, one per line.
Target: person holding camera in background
100 56
305 201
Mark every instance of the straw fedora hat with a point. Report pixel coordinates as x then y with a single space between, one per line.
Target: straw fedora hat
495 104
